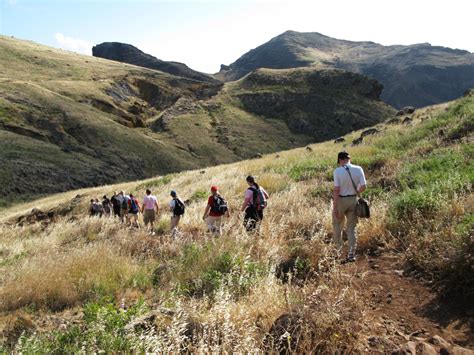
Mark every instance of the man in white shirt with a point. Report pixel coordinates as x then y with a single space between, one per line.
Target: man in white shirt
345 201
149 210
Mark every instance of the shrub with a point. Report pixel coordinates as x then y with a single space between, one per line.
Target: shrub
103 331
419 202
199 195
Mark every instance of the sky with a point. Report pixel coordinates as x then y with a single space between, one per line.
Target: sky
207 33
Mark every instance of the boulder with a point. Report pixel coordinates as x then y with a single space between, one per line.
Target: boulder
407 120
357 141
309 149
438 341
339 140
409 109
394 120
369 132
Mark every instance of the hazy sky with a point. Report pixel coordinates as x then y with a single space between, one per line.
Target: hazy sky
204 33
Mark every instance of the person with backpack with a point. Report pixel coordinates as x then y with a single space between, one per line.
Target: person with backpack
177 209
150 204
106 206
116 201
255 201
98 209
92 209
133 210
216 208
124 207
349 181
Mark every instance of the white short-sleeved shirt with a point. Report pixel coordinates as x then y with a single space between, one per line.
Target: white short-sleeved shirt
149 202
343 180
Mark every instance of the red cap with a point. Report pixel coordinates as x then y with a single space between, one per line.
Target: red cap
214 188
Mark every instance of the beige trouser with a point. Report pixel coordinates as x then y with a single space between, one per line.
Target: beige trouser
214 224
346 209
174 225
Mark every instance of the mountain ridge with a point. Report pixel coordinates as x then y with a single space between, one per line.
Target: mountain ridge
127 53
418 74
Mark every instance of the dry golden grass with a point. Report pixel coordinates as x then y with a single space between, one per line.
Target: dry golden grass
71 261
63 279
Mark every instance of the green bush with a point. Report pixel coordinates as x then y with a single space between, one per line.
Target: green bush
203 273
199 195
103 331
413 203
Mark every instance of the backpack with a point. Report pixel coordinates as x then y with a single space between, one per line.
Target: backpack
259 200
219 205
133 205
124 203
178 207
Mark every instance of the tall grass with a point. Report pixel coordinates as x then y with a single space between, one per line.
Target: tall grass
224 294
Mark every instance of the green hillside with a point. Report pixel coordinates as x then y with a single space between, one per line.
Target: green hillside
69 121
73 283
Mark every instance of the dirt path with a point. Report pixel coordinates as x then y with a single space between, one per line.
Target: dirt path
401 309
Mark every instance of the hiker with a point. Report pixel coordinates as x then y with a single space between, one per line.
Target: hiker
216 208
149 210
92 208
177 210
345 201
133 210
106 206
124 207
116 201
255 201
99 211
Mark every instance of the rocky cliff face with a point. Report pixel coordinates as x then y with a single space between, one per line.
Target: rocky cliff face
417 75
320 103
126 53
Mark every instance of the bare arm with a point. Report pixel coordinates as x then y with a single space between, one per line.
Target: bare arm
206 212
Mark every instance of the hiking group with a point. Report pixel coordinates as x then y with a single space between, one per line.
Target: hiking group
127 209
349 183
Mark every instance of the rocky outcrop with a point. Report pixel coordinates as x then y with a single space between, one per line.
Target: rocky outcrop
321 103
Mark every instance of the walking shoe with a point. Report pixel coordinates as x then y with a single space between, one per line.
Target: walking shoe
349 259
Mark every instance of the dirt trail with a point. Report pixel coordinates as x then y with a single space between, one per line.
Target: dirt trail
401 309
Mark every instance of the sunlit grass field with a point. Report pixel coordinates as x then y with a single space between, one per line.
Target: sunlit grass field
223 294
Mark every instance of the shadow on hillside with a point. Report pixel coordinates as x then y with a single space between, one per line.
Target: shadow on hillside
452 311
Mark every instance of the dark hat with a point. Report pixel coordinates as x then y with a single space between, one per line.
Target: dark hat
342 156
173 193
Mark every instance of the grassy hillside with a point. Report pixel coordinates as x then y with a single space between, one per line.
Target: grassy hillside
69 121
72 282
417 75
